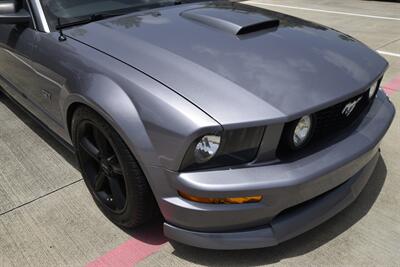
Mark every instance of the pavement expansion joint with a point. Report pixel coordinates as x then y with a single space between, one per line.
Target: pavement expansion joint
42 196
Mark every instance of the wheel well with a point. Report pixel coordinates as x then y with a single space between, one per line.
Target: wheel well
70 114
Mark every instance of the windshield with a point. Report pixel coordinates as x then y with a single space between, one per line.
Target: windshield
72 10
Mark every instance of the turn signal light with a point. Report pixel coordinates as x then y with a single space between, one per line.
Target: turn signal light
228 200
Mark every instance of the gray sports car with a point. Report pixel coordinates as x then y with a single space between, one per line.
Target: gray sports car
244 127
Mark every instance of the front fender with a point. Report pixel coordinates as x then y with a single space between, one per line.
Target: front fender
111 102
156 123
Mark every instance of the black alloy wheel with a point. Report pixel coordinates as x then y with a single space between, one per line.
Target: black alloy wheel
110 171
102 167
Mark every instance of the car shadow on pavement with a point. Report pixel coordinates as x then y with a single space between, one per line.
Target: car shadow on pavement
40 130
151 233
300 245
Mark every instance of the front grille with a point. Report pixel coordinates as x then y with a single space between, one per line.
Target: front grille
327 122
334 118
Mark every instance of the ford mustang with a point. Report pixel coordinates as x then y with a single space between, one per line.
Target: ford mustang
245 127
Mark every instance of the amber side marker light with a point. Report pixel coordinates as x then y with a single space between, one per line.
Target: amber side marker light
228 200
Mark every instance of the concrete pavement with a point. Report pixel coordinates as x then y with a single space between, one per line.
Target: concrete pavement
47 217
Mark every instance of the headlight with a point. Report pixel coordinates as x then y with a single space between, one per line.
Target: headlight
206 148
228 148
373 89
302 131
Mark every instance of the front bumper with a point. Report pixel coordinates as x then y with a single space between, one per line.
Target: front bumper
283 227
298 195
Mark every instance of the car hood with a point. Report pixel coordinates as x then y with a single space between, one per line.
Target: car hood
238 63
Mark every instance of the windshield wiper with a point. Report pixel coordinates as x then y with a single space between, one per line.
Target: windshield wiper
103 15
108 14
86 20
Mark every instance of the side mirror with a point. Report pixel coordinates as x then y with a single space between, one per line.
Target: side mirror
10 15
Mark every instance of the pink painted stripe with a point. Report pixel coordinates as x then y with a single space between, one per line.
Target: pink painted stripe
144 243
393 86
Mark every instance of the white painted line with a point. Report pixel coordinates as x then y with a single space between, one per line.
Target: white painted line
388 53
324 11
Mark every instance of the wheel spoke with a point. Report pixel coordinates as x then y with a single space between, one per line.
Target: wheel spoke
116 192
101 142
116 169
115 166
90 148
99 182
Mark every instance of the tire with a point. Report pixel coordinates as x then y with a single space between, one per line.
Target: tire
139 206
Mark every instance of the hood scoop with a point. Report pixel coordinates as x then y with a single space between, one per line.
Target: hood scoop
235 21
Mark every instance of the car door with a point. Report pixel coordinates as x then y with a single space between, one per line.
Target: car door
16 46
24 74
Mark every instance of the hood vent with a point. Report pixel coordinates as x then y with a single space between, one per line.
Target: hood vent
268 24
233 21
